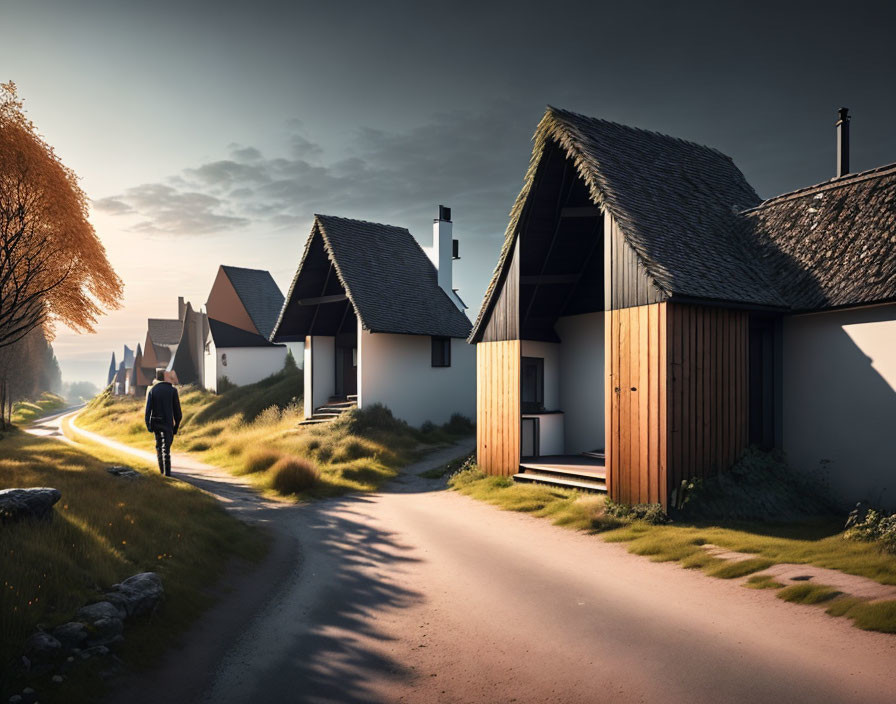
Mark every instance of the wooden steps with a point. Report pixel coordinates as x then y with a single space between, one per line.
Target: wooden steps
331 410
585 474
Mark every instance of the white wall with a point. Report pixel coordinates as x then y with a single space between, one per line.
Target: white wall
550 352
320 371
397 371
210 362
245 365
839 400
582 384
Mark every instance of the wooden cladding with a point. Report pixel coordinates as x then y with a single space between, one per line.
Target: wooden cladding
504 318
626 281
636 362
708 397
498 407
677 401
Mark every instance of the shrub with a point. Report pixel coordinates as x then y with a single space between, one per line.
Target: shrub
260 460
199 446
293 475
373 418
225 385
459 425
649 513
871 525
268 417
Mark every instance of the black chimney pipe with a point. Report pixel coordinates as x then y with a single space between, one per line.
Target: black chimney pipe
842 142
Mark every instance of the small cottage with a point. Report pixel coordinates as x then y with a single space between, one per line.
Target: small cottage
380 322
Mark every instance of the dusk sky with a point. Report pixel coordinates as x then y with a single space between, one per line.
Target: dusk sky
209 133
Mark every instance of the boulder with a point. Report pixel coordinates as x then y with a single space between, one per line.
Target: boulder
71 635
137 595
36 502
106 631
124 472
102 609
41 646
94 651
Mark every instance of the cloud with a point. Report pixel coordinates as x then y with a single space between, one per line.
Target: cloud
472 161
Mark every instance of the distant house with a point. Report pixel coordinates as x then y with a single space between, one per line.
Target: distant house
113 370
650 317
242 309
140 377
187 363
122 379
380 322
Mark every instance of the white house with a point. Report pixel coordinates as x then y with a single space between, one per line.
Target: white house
380 321
241 310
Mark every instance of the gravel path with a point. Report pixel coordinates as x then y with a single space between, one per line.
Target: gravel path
416 594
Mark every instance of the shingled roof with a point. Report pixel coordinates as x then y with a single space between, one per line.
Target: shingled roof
225 335
390 282
832 244
674 201
165 332
259 294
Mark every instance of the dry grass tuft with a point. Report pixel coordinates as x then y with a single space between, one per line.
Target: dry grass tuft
260 460
293 475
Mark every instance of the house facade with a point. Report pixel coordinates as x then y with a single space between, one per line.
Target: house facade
380 321
650 317
241 311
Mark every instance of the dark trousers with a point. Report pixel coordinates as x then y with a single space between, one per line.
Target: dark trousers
164 439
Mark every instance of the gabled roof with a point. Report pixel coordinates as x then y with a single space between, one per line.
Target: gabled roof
674 201
128 360
390 282
260 295
832 244
224 335
165 331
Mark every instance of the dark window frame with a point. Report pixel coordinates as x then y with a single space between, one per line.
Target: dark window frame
535 405
441 351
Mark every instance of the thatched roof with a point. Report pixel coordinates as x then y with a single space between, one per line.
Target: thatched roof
832 244
699 231
387 277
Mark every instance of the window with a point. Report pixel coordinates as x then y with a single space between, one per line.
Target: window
441 351
532 383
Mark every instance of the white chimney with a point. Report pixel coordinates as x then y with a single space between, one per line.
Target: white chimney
445 251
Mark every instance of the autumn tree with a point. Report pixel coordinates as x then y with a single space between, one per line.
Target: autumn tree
53 267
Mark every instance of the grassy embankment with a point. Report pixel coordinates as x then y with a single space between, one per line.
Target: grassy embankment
817 542
253 431
105 529
24 412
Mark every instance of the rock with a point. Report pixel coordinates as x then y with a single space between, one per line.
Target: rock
102 609
15 699
70 634
41 646
94 651
137 595
106 631
18 504
124 472
58 679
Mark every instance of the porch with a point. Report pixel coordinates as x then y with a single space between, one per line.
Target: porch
586 472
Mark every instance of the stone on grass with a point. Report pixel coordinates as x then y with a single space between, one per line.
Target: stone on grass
106 631
102 609
41 646
137 595
70 634
94 651
125 472
36 502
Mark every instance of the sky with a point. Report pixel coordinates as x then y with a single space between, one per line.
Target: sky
209 133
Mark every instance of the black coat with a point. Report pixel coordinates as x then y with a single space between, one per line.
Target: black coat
163 408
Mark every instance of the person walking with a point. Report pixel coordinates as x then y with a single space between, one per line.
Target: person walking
163 418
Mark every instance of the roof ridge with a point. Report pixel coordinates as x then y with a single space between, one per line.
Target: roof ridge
363 222
847 180
244 268
654 133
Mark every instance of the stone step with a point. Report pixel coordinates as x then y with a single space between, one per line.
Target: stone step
581 483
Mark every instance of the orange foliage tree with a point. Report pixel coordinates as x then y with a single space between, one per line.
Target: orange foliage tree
53 267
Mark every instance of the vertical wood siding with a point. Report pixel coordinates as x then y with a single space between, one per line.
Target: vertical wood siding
498 407
636 411
708 397
503 320
677 397
626 282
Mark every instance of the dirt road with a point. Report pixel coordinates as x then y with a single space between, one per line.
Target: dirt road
417 594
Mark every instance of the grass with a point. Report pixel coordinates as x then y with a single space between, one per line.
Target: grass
105 529
252 430
818 542
24 412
